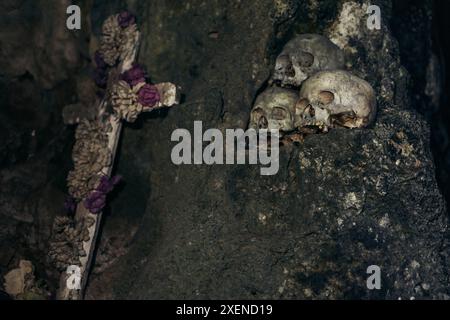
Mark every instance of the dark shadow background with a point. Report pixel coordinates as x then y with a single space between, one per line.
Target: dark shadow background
441 118
412 32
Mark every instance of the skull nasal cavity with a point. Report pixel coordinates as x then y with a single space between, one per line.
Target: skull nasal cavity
326 97
263 123
283 62
306 59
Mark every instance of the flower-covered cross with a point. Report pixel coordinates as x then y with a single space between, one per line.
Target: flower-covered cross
126 92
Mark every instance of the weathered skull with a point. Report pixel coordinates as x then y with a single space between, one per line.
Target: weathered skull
274 109
304 56
335 99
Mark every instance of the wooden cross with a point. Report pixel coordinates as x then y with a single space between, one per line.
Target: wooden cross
169 96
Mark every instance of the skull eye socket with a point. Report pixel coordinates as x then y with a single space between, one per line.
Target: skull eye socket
259 118
301 105
306 59
263 123
344 119
279 113
257 112
284 64
326 97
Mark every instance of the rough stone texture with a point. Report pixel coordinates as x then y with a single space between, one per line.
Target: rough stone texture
340 202
39 59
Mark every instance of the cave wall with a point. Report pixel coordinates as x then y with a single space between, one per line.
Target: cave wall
440 119
39 63
341 201
420 28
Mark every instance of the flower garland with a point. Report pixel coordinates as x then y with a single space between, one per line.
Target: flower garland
96 201
129 94
133 93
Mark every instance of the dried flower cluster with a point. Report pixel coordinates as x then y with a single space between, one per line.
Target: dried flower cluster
148 96
90 155
96 201
129 101
66 242
126 19
134 76
118 37
127 41
110 41
131 94
124 101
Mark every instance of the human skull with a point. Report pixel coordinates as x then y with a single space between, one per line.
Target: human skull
304 56
335 99
274 109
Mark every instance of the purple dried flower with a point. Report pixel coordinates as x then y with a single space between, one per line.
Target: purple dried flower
107 185
134 76
126 19
95 202
70 205
99 61
148 96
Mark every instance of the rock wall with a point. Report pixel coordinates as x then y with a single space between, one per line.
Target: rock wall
39 63
340 203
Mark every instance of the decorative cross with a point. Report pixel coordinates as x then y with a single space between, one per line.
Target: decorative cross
127 98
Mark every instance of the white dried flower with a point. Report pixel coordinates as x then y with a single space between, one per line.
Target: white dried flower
66 242
124 100
117 42
90 155
111 39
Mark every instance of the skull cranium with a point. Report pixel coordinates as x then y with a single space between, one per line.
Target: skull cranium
274 109
304 56
335 99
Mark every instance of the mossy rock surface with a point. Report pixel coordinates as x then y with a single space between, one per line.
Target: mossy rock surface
341 201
